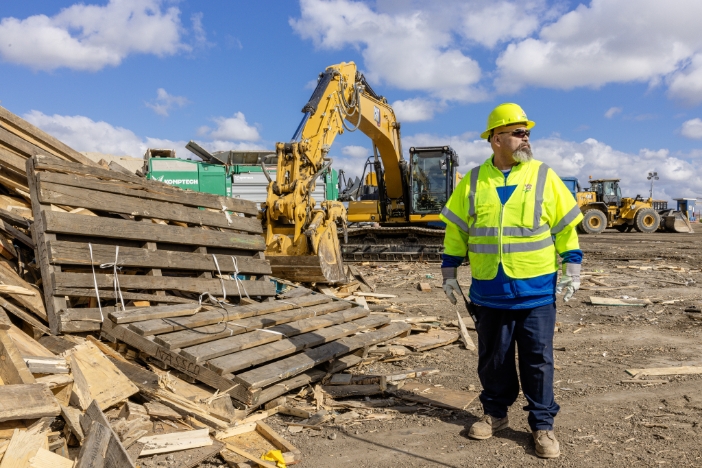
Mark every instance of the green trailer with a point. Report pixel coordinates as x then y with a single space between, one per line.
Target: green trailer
235 174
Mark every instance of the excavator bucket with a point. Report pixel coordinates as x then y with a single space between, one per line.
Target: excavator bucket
675 221
326 266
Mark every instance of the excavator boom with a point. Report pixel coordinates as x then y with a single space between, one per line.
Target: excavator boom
301 236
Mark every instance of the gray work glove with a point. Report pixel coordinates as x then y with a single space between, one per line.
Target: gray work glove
451 283
570 280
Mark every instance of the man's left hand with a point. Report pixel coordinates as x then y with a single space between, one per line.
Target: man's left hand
570 280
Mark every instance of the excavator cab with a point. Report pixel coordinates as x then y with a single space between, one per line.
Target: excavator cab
432 179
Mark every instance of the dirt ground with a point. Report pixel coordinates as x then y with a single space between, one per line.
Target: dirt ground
603 422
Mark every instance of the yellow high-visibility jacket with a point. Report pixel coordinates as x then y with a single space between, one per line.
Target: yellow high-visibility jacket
519 234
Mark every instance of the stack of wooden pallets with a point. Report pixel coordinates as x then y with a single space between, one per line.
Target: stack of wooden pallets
20 140
120 238
255 352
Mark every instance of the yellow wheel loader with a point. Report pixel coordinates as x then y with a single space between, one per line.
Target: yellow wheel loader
604 207
301 237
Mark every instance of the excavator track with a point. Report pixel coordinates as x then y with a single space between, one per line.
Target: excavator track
392 244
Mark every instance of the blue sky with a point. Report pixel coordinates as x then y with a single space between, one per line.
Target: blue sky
615 91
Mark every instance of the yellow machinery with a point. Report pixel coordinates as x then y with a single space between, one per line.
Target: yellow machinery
301 236
603 206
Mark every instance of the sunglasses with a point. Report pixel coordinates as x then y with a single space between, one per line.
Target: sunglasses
518 133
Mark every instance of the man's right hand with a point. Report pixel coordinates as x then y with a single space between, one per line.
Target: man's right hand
451 286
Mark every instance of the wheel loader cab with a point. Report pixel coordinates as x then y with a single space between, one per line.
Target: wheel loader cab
608 191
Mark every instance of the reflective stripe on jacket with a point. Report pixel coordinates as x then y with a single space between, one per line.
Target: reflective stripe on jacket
517 234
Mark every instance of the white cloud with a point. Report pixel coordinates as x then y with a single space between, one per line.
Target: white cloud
164 102
231 128
606 42
415 109
84 134
612 111
355 151
686 84
692 129
91 37
497 22
404 49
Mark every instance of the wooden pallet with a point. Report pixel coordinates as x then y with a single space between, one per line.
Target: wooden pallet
258 351
170 241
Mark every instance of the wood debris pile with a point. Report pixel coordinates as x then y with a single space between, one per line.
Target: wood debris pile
138 319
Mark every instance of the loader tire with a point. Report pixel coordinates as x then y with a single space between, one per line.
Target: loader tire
647 220
594 222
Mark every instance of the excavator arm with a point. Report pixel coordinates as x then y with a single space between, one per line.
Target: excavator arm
301 237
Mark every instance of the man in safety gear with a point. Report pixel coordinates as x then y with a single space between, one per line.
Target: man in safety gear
513 216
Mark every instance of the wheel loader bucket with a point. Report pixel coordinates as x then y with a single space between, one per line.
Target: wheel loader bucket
675 221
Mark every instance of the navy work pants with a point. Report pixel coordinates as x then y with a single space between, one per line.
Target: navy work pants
532 331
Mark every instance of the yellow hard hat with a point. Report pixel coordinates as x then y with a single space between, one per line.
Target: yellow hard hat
506 114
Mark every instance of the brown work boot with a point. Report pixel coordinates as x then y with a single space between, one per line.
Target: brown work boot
486 427
546 444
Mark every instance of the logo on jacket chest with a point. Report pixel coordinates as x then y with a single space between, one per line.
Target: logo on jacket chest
527 187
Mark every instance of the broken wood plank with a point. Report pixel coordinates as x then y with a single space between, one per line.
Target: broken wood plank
430 340
75 253
13 369
46 459
25 316
56 344
440 397
610 301
161 411
27 401
248 456
55 380
682 370
375 295
33 303
465 337
343 391
301 362
26 345
23 446
194 457
113 453
150 313
72 417
175 441
16 233
92 452
97 379
46 365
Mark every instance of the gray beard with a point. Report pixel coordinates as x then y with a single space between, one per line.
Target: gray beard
522 155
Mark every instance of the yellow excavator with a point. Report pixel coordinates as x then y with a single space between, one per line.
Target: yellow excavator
301 236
